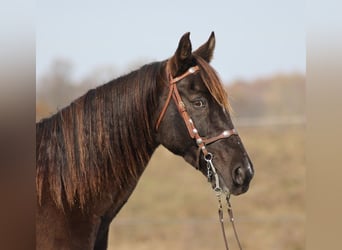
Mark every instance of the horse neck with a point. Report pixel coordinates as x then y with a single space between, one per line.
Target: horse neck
102 140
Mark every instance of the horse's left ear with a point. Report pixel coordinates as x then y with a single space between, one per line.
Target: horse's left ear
180 60
206 51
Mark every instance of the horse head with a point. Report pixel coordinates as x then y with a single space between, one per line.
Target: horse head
194 120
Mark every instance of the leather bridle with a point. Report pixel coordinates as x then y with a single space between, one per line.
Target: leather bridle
200 141
192 130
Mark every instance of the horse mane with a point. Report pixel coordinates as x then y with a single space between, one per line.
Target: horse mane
103 138
213 83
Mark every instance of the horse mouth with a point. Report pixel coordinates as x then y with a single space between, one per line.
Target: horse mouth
240 189
231 187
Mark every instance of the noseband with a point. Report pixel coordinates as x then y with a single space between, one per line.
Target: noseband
201 143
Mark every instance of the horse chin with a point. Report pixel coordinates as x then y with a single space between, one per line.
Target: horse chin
237 190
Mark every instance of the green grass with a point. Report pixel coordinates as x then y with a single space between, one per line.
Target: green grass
173 206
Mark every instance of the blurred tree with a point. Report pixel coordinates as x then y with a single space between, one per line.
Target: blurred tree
55 87
278 95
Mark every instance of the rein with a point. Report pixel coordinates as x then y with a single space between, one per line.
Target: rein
201 144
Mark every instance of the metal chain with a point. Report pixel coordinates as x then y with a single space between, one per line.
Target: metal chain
211 171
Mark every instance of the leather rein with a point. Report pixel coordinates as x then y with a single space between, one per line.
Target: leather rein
201 144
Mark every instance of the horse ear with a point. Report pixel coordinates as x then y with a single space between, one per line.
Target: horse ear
206 51
182 55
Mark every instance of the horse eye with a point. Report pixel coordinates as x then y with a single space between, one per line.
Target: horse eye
199 104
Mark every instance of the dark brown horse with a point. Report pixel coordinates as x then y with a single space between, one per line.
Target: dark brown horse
91 154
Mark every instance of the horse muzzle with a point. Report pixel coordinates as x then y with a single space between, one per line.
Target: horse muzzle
242 174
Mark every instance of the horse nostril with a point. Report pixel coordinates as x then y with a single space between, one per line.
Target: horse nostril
239 175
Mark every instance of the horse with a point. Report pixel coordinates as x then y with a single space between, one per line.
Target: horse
91 154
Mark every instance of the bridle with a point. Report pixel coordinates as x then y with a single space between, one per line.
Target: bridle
201 143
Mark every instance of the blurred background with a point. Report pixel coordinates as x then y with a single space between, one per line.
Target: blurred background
260 56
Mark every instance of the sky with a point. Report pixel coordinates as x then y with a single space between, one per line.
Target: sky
253 38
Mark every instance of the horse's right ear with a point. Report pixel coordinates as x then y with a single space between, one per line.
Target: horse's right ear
206 51
182 55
